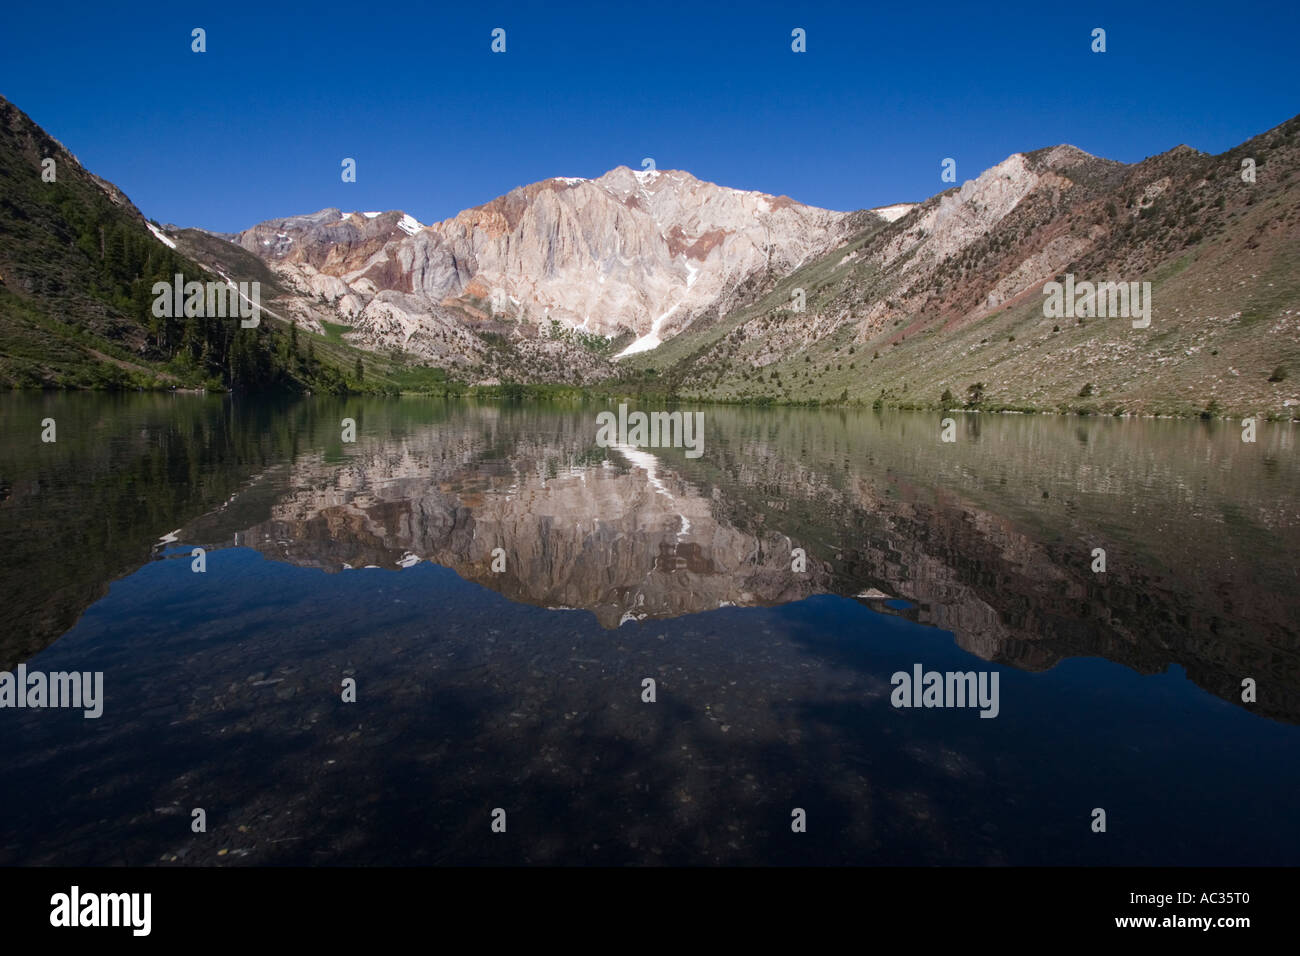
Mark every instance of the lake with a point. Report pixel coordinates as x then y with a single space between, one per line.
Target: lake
497 589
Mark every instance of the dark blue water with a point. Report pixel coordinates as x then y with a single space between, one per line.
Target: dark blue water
475 691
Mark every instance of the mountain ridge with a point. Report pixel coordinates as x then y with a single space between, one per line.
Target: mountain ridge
78 265
549 247
659 283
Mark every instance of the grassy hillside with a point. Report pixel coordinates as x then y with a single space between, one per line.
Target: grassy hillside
1222 255
77 267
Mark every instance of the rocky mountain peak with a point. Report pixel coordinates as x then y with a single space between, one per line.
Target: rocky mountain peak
630 253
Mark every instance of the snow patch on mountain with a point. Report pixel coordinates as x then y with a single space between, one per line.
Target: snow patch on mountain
895 212
651 339
161 238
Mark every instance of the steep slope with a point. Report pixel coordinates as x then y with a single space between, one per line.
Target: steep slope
75 262
78 263
948 298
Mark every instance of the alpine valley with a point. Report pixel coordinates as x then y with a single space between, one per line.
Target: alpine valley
653 281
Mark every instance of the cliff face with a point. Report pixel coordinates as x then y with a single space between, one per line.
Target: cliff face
628 254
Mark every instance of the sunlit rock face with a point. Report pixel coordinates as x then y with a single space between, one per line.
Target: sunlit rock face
629 252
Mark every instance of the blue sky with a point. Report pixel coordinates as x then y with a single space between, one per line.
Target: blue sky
258 125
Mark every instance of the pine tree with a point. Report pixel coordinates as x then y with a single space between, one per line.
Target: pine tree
190 337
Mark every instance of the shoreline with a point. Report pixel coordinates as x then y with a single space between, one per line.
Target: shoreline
550 393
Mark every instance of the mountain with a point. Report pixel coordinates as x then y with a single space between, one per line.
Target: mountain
74 256
656 280
615 264
945 305
629 253
658 283
78 263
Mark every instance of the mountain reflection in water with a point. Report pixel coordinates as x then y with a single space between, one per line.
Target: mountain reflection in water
990 539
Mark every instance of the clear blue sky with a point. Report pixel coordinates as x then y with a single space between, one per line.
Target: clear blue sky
257 126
